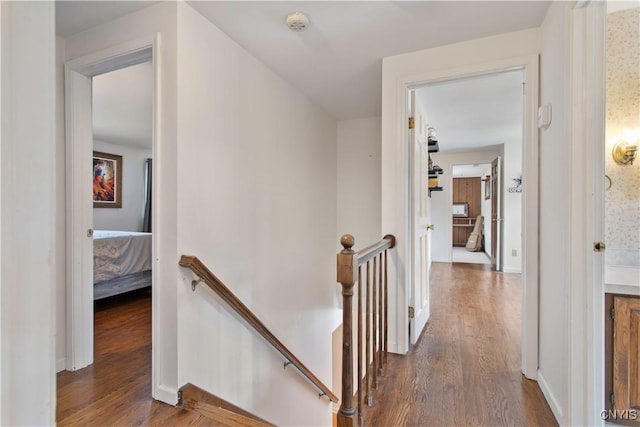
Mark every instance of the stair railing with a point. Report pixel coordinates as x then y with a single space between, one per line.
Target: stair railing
373 288
206 276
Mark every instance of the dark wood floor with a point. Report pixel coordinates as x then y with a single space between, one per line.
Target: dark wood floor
116 389
465 369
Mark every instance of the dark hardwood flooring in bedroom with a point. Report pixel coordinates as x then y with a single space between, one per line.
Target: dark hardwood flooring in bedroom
116 389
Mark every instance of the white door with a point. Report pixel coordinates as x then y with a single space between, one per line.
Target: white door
496 214
419 295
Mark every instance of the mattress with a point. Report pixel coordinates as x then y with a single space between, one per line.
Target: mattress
119 253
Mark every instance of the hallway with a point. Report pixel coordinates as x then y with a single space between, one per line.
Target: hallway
465 369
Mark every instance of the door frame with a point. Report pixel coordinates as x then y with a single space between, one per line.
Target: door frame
79 217
530 224
496 199
586 292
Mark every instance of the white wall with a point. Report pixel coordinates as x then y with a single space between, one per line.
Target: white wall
442 234
359 180
60 214
161 19
257 204
480 55
511 207
130 216
555 167
29 256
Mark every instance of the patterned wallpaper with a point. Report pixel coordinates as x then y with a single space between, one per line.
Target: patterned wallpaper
622 200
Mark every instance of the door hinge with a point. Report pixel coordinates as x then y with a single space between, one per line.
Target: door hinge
612 399
612 312
412 313
412 123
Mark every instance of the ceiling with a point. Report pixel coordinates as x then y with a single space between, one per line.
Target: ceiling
474 112
337 62
122 106
73 17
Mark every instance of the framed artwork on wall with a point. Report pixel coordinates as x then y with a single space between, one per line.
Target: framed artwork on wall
107 180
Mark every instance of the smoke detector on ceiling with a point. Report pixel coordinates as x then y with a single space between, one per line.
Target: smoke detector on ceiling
297 21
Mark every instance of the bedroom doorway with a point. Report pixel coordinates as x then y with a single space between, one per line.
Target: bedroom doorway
122 117
471 214
114 168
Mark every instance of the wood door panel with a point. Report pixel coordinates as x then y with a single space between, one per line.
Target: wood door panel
634 356
626 353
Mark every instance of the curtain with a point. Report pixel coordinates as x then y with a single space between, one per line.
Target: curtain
146 222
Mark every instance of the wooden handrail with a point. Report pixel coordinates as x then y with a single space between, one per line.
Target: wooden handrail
364 255
349 268
195 265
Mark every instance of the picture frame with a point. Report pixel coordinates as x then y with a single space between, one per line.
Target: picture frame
487 187
107 180
460 209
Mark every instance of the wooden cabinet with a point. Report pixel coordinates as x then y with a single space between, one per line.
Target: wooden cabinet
623 354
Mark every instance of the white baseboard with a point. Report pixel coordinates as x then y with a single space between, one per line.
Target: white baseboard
392 347
511 270
551 400
438 259
61 364
166 394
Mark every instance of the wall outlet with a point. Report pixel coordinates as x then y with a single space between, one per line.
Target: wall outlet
514 252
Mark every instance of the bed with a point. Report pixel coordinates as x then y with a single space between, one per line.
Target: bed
121 262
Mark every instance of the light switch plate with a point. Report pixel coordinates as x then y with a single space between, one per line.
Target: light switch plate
544 116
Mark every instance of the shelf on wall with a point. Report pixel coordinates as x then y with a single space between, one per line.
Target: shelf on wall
434 189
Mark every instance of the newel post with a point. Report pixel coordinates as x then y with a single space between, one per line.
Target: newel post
347 270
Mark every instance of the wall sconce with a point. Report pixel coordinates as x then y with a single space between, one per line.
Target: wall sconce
624 153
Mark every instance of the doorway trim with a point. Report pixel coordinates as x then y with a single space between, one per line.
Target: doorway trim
79 216
586 292
395 193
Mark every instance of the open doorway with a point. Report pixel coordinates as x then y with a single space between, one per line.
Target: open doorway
115 142
79 74
122 104
480 126
471 214
474 122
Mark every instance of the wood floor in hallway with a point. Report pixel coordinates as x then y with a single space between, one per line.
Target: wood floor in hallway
465 369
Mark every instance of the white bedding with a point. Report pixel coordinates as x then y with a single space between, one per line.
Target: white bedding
118 253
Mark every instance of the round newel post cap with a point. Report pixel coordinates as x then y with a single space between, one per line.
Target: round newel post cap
347 241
